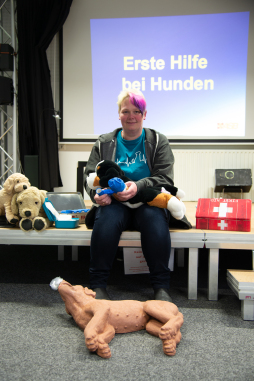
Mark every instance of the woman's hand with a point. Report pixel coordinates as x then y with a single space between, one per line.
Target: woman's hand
103 200
129 193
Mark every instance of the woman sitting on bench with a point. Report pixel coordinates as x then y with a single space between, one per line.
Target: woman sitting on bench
146 158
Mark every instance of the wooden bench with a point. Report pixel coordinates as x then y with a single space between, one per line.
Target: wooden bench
192 240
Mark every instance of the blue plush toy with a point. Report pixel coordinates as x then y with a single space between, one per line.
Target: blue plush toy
115 185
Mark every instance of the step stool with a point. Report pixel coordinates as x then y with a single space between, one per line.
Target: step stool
242 284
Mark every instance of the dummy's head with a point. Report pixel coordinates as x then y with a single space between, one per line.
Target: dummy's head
136 98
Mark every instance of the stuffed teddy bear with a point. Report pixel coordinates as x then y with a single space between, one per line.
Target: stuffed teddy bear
165 196
14 184
28 204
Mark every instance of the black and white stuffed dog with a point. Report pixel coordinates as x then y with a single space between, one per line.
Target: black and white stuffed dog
166 196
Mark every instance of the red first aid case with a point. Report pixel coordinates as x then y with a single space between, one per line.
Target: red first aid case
224 214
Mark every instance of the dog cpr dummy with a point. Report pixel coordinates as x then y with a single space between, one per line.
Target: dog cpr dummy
101 319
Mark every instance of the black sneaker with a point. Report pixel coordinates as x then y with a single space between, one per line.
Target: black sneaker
101 293
162 294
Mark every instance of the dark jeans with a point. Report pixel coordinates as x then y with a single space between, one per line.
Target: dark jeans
111 221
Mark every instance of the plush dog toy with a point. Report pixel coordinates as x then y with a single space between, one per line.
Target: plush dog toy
165 196
28 204
14 184
101 319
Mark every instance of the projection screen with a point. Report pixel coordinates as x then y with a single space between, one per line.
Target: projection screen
195 69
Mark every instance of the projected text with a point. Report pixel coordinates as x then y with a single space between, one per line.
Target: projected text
159 84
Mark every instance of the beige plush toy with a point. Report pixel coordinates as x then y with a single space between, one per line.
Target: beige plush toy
28 204
13 185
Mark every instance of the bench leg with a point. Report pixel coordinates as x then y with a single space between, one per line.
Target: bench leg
60 253
180 257
171 260
247 309
193 274
74 253
213 274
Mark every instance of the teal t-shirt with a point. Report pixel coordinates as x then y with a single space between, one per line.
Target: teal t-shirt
131 157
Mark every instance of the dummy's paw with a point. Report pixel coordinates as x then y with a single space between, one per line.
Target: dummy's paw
26 225
167 332
104 350
180 194
92 343
169 347
39 224
176 208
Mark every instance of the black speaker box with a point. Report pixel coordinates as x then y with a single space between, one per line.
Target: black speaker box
31 169
233 180
6 91
6 57
80 176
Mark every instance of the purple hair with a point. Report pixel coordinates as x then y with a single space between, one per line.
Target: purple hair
138 101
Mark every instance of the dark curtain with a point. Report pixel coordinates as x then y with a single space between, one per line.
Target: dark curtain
38 21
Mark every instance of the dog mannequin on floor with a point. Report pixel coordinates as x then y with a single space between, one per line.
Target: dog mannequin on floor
101 319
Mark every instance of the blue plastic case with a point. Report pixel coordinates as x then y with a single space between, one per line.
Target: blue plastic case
69 224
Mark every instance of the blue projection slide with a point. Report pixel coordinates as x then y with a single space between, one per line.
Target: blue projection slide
191 69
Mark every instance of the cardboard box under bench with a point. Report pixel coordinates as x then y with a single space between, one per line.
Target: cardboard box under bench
224 214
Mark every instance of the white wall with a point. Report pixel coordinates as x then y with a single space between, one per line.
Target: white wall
69 156
194 167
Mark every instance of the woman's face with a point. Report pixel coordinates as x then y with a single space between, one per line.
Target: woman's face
131 119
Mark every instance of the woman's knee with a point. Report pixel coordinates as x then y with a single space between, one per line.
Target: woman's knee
152 218
111 217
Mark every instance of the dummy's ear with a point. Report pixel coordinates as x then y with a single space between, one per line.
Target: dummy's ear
14 205
89 292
